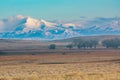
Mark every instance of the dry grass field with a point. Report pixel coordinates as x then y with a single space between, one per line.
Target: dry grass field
76 65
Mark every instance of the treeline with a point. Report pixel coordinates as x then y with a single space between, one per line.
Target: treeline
111 43
91 43
85 43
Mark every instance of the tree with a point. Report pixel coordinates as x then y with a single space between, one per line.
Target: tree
94 43
2 53
79 46
70 46
85 43
78 43
106 43
111 43
52 46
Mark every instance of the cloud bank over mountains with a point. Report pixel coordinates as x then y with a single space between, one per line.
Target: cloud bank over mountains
24 27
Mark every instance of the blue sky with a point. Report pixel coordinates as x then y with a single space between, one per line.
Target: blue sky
60 9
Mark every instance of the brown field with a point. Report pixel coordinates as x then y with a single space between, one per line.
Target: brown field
74 65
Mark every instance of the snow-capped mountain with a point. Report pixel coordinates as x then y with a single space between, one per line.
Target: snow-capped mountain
24 27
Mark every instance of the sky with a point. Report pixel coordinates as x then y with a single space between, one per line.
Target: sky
60 9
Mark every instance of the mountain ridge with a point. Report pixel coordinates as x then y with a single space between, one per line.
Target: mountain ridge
25 27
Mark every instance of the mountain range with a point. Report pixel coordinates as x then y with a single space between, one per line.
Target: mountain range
25 27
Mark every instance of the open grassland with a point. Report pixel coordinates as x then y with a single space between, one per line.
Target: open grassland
77 65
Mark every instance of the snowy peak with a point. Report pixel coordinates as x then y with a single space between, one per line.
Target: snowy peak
30 22
48 24
27 27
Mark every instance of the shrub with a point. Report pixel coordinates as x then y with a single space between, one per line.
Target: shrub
70 46
52 46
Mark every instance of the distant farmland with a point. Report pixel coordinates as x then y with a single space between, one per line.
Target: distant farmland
33 60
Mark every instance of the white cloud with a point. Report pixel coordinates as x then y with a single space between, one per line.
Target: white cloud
10 24
1 23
